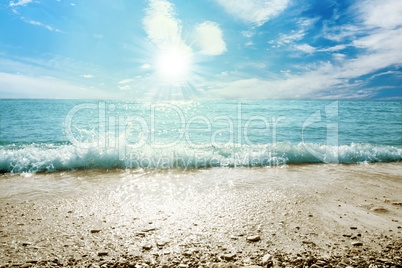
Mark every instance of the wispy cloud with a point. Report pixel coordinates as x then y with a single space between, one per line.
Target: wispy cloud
385 14
125 87
87 75
37 23
18 85
340 33
334 48
208 36
254 12
303 24
305 48
145 66
329 80
19 3
248 34
378 46
126 81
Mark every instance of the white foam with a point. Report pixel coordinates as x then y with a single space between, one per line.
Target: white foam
44 157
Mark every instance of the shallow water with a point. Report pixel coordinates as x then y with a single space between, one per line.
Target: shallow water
126 185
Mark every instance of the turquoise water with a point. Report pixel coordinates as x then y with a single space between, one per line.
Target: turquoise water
51 135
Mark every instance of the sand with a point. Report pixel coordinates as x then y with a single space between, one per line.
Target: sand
298 215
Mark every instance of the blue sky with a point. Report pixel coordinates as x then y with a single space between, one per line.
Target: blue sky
219 49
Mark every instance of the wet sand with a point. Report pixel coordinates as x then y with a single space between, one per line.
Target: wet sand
298 215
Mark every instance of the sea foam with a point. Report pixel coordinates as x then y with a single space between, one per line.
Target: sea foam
48 158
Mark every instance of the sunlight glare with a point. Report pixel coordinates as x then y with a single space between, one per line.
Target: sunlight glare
173 65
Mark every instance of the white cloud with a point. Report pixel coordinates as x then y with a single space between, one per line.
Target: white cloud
385 13
371 15
126 81
160 24
208 36
305 48
379 48
87 75
381 40
19 3
254 12
323 80
376 40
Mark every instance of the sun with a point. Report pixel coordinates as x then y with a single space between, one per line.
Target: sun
173 65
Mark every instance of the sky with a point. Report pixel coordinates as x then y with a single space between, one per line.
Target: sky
207 49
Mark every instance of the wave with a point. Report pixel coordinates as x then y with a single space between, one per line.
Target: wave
48 158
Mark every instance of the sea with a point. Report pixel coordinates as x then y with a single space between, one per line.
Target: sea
70 135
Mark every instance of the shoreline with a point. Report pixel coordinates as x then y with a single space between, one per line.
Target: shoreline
317 214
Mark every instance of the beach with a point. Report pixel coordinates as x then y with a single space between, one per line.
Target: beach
318 215
201 134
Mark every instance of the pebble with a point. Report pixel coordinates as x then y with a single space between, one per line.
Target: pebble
379 209
188 253
146 230
253 238
229 257
161 243
353 227
355 251
357 244
266 258
308 242
147 246
140 234
224 265
94 231
102 253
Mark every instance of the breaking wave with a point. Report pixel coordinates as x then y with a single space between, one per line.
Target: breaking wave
48 158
